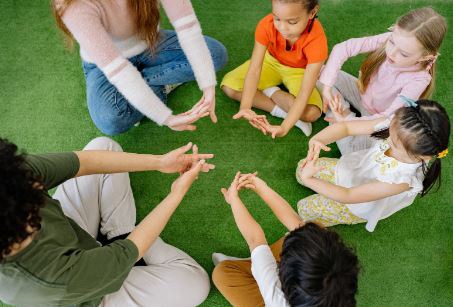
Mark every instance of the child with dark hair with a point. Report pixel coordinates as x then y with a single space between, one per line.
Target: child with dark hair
290 48
310 266
371 184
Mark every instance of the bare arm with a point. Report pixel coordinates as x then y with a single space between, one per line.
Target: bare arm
249 228
152 225
363 193
279 206
107 162
306 88
253 75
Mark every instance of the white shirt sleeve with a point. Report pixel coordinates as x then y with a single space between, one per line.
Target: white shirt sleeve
265 272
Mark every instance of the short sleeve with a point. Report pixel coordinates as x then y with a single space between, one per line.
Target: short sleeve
54 169
316 51
261 35
100 271
385 124
265 272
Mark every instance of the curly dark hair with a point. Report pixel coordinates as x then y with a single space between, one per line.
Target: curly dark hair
20 198
317 269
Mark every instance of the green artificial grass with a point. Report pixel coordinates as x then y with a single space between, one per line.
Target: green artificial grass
407 261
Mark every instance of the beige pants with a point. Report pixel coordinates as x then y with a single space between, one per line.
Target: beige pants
106 202
346 85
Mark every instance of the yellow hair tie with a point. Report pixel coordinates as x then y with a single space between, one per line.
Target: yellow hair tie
443 153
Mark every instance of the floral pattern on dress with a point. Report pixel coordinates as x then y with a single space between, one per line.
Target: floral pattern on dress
320 209
385 162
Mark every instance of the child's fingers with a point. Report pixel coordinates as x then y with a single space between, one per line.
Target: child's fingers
224 192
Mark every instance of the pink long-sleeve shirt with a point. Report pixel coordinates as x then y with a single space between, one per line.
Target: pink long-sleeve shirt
382 96
107 35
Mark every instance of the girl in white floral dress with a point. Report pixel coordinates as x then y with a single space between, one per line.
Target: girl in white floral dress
372 184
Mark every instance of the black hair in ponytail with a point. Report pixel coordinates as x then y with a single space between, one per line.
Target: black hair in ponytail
423 130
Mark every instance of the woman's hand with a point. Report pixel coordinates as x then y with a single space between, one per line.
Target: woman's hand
209 98
232 193
326 97
314 148
258 121
184 120
179 161
182 184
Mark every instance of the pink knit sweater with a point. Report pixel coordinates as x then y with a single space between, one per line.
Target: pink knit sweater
382 96
107 35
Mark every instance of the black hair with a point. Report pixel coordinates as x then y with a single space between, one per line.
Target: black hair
424 130
318 269
309 5
20 198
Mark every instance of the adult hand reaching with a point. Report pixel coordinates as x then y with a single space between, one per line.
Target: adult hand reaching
179 161
182 184
209 98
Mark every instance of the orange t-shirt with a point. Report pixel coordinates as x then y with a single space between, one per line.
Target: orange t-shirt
309 48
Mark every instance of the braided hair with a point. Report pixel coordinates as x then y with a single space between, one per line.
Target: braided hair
424 130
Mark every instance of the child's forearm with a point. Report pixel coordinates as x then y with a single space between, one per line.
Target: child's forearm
332 133
329 190
250 87
280 207
249 228
306 88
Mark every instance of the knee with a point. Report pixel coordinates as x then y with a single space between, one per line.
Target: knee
233 94
196 282
220 276
218 52
311 114
103 143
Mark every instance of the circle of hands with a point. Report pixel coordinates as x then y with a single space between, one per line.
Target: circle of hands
189 166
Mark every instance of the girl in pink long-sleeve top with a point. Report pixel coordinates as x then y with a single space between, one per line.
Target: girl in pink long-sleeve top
129 61
400 65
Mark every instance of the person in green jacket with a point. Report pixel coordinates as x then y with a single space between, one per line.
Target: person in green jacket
50 250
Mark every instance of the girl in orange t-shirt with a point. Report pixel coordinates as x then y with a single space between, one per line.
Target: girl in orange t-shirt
290 49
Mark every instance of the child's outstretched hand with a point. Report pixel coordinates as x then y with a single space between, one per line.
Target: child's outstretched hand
258 121
326 97
250 181
314 148
309 169
232 193
337 109
276 130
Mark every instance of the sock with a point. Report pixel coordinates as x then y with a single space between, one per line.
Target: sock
219 257
305 127
270 91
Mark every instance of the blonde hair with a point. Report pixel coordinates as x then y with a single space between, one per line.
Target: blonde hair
429 29
145 12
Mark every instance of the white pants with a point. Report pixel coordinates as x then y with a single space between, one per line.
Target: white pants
105 202
346 85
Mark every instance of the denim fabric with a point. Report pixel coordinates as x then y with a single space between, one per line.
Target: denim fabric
111 112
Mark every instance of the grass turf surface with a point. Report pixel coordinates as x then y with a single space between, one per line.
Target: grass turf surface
407 261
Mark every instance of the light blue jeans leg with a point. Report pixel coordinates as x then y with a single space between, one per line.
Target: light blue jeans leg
111 112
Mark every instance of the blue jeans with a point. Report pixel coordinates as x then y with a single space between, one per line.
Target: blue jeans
111 112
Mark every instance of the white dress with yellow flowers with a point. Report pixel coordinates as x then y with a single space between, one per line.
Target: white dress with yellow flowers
357 168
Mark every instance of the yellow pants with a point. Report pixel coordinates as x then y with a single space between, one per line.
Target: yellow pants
273 73
320 209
